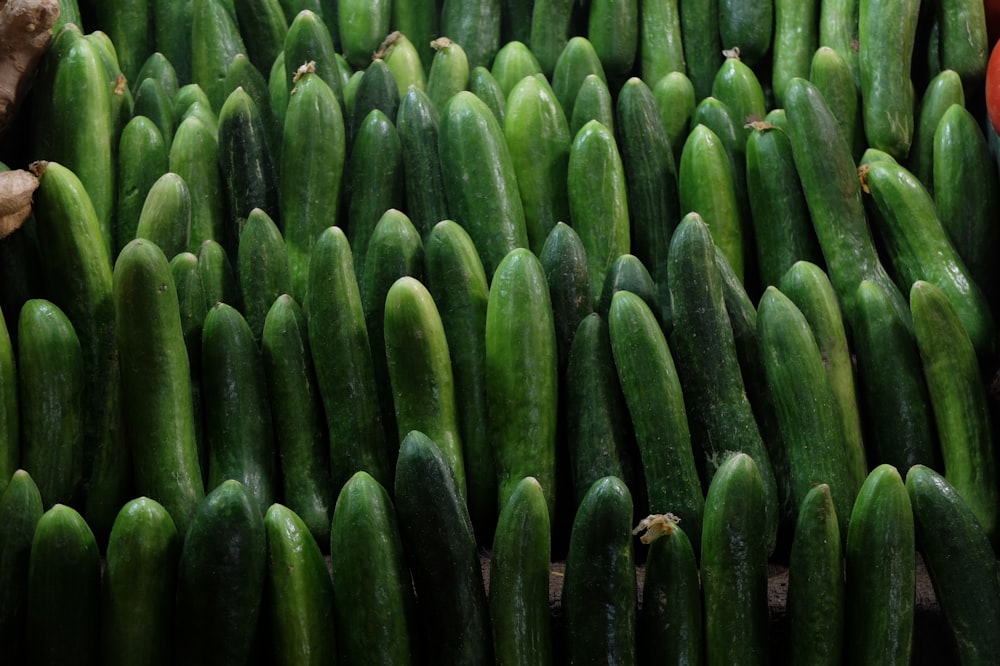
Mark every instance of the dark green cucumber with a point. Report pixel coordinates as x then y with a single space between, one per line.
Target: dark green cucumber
807 416
218 280
734 565
152 101
702 43
593 102
656 405
142 159
881 575
613 30
519 579
599 596
512 62
627 273
215 40
670 625
661 43
194 157
192 308
297 412
418 20
341 352
419 365
242 74
838 30
571 290
598 199
538 139
720 416
816 583
51 390
486 202
376 89
550 31
457 281
262 268
831 74
10 419
64 590
963 40
238 423
959 401
140 578
960 561
747 25
171 34
440 549
165 218
651 180
737 86
919 248
475 24
417 121
263 26
310 39
576 61
485 87
674 95
796 38
156 380
20 510
365 534
449 71
298 591
220 579
940 93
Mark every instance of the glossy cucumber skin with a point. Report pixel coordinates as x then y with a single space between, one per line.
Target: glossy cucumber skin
940 93
417 123
20 509
599 591
880 559
216 40
550 31
613 29
702 43
263 26
262 268
156 381
365 535
661 44
165 218
449 71
747 25
513 62
142 158
796 38
194 157
476 25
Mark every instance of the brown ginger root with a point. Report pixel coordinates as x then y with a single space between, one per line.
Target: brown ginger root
25 33
16 191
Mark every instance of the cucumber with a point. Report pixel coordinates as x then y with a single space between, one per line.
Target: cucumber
550 31
449 71
457 282
796 38
521 375
298 591
702 41
747 26
262 269
838 30
418 20
475 24
830 73
519 578
963 40
486 202
806 412
10 418
960 561
674 95
142 159
816 582
365 532
140 578
941 92
156 66
959 401
376 89
341 353
218 280
192 308
886 40
238 422
513 62
417 122
880 567
571 291
613 30
50 392
220 578
156 380
628 274
651 179
243 74
593 102
172 21
734 564
598 199
440 549
486 88
661 41
420 374
215 40
403 61
20 509
576 61
736 85
538 139
194 157
165 218
297 412
152 101
263 26
310 39
313 156
656 405
599 595
64 588
919 248
670 624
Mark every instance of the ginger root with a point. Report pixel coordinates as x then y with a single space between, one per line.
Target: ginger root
17 189
27 30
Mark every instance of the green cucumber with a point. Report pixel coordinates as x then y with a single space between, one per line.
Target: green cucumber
220 578
661 41
940 93
64 590
796 38
475 24
262 269
959 401
165 218
156 382
521 375
51 387
571 291
538 139
919 248
142 159
734 565
830 73
457 282
194 157
418 20
140 577
20 510
215 40
263 26
242 74
593 102
963 40
886 40
599 595
341 352
838 30
403 61
10 419
550 31
153 101
747 26
519 579
674 95
440 549
652 390
576 61
449 71
238 423
374 614
737 86
172 33
816 582
419 366
192 308
313 155
627 273
417 122
376 89
309 39
670 624
703 45
486 202
297 411
881 572
298 591
960 561
486 88
513 62
217 277
613 30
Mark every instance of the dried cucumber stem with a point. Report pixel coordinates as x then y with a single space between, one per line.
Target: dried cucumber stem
656 525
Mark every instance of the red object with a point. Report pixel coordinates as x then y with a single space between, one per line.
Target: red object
993 87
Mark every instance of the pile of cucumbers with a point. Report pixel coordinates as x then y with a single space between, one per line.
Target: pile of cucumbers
324 303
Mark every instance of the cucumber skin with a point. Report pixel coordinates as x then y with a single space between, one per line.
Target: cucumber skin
20 510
